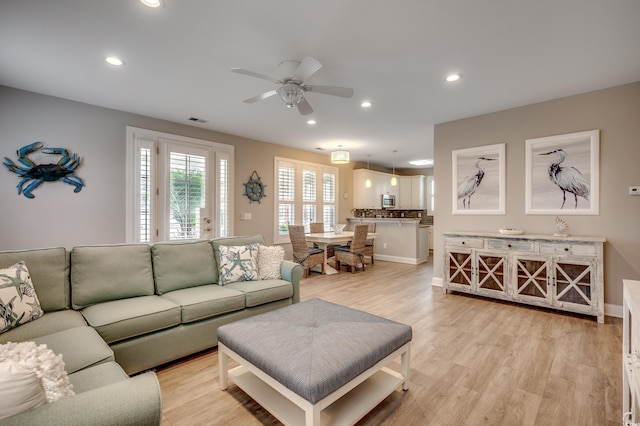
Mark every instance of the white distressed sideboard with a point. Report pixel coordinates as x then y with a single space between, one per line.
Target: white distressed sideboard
631 352
564 273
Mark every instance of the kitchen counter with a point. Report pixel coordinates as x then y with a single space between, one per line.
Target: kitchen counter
399 239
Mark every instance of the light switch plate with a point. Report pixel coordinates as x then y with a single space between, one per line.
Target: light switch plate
634 190
245 216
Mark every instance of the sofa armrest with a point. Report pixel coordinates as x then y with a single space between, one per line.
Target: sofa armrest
134 401
292 272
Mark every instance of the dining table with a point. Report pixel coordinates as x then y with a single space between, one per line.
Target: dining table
323 239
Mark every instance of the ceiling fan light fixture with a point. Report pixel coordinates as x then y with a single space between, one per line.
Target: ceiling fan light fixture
340 156
291 94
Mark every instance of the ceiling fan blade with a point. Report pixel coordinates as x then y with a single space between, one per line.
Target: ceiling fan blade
343 92
260 97
304 107
255 74
307 68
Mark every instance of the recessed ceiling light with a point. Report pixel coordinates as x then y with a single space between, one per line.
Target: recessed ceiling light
311 122
428 162
152 3
366 104
453 77
114 60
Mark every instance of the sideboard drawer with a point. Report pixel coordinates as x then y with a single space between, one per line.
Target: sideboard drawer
507 244
465 242
573 249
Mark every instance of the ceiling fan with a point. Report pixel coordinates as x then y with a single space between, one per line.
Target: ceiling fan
292 87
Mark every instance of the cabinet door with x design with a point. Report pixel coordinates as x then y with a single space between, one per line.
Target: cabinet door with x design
477 271
491 274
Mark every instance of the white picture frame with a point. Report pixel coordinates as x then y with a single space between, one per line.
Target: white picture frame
563 174
478 180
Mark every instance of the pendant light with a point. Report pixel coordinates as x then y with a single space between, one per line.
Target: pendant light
394 180
367 183
340 156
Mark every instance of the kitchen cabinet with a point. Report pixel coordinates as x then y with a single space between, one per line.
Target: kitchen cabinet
564 273
411 192
363 197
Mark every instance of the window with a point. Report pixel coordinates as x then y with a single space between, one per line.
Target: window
177 187
305 193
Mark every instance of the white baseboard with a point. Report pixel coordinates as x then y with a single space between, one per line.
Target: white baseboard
613 310
436 282
407 260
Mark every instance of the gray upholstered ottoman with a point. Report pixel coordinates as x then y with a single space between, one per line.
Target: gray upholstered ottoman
315 362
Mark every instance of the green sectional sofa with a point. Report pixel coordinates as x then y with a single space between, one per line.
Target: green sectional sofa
113 311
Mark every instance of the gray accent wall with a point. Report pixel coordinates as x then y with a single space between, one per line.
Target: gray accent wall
616 112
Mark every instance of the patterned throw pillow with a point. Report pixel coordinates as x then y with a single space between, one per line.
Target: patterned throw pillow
238 263
18 301
269 261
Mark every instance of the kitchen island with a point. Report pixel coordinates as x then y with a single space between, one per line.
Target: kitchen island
403 240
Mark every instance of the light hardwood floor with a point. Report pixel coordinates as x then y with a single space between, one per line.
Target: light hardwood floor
474 361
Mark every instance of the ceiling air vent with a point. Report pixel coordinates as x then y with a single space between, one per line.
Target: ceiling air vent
197 120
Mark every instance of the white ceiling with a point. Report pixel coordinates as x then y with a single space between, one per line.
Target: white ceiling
394 53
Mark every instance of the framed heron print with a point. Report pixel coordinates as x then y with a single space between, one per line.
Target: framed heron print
562 174
479 180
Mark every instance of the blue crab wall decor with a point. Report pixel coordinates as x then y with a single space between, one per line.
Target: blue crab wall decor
38 173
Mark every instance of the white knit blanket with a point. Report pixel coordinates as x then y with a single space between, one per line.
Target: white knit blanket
49 367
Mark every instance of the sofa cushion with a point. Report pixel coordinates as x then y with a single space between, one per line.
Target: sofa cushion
49 270
51 322
80 347
238 263
171 260
104 273
206 301
97 376
18 299
122 319
263 291
269 262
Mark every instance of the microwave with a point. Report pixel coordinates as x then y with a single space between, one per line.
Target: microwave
388 201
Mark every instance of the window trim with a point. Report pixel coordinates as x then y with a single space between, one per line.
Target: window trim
136 135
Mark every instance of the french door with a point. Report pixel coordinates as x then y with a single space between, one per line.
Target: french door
177 188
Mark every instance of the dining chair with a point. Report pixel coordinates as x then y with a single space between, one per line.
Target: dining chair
353 254
306 256
369 247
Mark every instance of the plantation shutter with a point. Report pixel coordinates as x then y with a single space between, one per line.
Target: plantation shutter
308 198
328 199
286 197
